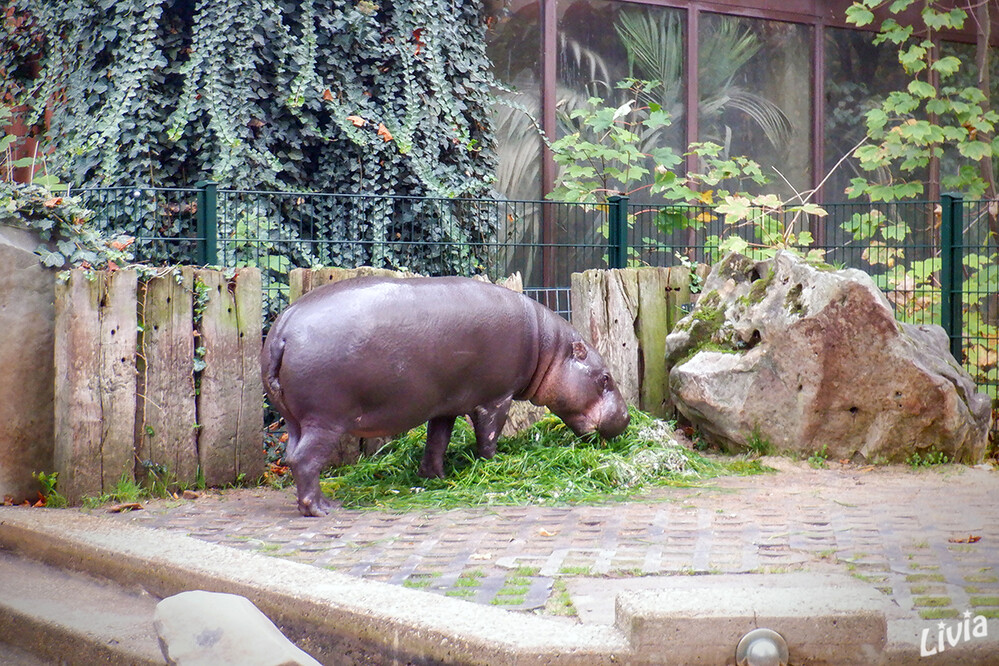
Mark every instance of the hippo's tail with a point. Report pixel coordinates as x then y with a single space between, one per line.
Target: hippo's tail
272 369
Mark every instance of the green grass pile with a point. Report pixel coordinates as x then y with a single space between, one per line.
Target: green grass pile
545 464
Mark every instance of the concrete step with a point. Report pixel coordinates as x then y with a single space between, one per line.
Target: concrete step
14 656
52 616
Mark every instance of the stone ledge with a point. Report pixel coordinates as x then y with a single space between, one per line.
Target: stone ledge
834 619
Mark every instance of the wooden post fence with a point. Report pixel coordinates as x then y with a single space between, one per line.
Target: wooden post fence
159 377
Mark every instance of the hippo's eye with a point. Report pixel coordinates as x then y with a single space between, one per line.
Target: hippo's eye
605 381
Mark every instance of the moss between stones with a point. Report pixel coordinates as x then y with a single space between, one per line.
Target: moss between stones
793 302
758 290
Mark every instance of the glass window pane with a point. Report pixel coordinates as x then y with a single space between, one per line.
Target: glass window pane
859 75
602 43
754 85
513 43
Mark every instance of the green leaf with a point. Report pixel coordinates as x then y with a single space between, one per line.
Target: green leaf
863 225
947 65
813 209
657 119
912 58
921 89
733 244
897 231
735 208
975 150
859 15
876 121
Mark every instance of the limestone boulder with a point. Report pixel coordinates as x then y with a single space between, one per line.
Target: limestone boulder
198 628
809 359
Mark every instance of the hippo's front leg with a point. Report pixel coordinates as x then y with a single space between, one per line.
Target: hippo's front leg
489 421
438 436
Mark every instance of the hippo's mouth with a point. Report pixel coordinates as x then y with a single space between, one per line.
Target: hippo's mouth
581 425
584 424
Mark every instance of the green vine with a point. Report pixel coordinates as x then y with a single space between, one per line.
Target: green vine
385 99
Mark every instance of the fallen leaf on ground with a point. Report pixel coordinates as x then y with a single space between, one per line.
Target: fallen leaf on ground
971 538
119 508
546 533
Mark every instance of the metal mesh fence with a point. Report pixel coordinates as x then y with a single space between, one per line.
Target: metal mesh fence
903 246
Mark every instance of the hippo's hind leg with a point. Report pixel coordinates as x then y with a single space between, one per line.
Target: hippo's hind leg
489 421
438 436
307 457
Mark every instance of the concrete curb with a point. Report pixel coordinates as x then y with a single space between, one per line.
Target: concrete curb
343 619
334 617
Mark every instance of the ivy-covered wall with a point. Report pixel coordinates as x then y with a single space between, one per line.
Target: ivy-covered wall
349 96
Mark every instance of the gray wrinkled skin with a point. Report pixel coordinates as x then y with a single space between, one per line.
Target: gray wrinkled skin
374 357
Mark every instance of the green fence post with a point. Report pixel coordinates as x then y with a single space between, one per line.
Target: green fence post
208 222
952 270
617 232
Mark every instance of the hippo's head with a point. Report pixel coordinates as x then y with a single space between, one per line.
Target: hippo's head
580 391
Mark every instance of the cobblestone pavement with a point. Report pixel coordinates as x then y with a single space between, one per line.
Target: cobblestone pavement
910 533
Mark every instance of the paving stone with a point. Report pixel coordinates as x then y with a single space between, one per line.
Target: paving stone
894 534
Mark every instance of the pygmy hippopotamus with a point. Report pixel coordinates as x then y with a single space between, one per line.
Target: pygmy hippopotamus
373 357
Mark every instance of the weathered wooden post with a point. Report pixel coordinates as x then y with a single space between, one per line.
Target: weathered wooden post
166 422
626 314
230 395
95 382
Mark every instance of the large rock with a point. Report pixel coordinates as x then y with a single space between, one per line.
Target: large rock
27 328
200 628
809 358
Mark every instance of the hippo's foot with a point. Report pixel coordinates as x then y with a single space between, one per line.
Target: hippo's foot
431 471
315 505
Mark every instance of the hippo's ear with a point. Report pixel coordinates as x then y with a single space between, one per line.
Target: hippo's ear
579 350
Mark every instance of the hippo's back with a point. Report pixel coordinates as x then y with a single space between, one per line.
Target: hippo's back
425 346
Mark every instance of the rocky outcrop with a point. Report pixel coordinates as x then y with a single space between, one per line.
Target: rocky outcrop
809 359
